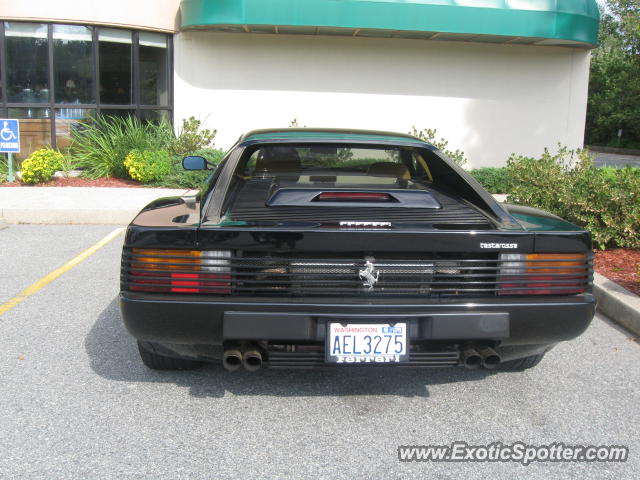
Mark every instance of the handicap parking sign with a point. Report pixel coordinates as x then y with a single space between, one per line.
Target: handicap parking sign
9 136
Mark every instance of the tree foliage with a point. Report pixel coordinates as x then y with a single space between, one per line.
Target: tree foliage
614 86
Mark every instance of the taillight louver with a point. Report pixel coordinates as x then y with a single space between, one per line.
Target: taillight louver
544 273
179 271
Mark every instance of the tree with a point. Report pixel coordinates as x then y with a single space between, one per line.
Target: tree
614 85
628 14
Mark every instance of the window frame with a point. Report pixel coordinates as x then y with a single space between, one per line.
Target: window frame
54 106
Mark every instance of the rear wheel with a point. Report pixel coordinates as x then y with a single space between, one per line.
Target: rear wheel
154 361
521 364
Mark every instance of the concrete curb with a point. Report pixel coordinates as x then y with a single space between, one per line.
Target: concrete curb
618 303
68 216
616 150
64 205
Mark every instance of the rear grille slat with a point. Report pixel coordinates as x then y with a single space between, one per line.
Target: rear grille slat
308 359
422 275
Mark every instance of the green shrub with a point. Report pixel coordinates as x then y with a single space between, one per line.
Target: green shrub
495 180
4 169
429 136
147 166
191 138
102 145
537 181
178 177
604 201
41 165
608 206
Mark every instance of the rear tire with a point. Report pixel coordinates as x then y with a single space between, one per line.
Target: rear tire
154 361
521 364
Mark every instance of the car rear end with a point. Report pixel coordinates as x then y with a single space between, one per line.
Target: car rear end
319 267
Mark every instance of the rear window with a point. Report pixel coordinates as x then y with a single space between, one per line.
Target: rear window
282 160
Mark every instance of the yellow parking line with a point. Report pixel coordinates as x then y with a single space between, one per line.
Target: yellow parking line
50 277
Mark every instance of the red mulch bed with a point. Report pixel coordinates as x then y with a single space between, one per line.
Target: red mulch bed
621 266
80 182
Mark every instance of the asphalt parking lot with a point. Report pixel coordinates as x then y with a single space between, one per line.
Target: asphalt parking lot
76 402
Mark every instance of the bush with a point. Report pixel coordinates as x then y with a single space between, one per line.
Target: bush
495 180
604 201
102 145
429 136
178 177
191 138
41 165
146 166
607 206
4 169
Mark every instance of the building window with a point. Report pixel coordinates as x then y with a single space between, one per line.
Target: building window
54 77
116 66
73 64
154 71
27 62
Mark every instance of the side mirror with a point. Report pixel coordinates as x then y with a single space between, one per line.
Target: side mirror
194 163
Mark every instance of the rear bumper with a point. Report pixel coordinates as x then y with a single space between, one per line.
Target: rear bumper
513 324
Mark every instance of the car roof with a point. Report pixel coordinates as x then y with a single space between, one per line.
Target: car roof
329 135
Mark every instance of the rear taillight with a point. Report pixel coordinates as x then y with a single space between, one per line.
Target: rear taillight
543 273
180 271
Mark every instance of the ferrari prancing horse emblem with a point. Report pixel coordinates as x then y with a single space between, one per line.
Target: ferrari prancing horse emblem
369 274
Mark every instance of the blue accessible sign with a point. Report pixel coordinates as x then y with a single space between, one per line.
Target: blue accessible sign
9 136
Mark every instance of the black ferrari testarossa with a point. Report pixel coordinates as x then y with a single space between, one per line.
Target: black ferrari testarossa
311 248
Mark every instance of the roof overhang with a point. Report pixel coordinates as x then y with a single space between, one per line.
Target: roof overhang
542 22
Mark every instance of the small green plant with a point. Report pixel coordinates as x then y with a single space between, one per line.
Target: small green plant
191 138
41 165
4 169
147 166
429 136
495 180
294 124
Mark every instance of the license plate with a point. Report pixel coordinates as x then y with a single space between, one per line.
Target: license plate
355 343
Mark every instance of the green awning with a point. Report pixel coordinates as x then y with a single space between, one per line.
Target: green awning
542 22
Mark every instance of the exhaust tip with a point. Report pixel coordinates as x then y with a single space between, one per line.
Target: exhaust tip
252 360
232 360
490 358
471 359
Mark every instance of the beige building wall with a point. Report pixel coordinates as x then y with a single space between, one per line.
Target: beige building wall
488 100
158 15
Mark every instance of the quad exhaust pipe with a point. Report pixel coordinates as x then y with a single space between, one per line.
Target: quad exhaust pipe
232 360
486 357
490 358
471 358
252 360
249 357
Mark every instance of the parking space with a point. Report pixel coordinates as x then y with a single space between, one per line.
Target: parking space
28 252
78 403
